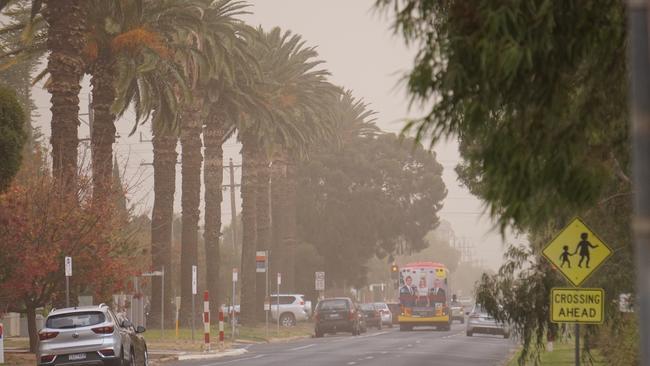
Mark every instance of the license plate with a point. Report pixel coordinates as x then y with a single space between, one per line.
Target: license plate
77 356
334 316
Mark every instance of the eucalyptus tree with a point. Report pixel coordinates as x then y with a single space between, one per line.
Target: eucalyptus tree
65 43
296 94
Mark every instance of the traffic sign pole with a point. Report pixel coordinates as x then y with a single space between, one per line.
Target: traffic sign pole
277 297
68 274
2 346
194 285
577 355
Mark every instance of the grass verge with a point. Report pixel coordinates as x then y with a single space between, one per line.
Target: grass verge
562 354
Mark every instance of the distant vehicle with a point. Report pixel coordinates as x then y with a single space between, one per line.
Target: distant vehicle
90 335
457 311
423 289
371 315
385 313
480 321
292 308
395 310
338 314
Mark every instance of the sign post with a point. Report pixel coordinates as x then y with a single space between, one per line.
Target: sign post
577 252
2 346
261 266
320 284
68 274
233 323
194 283
277 302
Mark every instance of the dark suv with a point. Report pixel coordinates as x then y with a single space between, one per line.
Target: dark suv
336 315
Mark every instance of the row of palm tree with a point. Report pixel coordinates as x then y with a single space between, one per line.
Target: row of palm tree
197 74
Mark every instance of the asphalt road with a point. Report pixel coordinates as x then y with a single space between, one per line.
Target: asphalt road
388 347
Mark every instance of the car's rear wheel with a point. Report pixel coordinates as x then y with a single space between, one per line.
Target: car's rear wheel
462 320
318 334
405 328
506 335
287 320
469 334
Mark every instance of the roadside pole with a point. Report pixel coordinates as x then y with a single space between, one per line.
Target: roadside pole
68 274
638 63
193 298
2 346
162 305
577 344
266 294
233 322
277 296
206 321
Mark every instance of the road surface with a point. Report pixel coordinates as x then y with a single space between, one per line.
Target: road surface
388 347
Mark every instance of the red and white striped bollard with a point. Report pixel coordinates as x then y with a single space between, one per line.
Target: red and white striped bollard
221 332
206 320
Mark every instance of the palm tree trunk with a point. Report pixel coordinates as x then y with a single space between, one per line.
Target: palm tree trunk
164 186
249 223
290 230
213 134
278 208
190 201
263 221
65 41
103 126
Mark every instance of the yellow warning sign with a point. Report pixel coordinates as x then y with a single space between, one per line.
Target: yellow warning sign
577 252
577 305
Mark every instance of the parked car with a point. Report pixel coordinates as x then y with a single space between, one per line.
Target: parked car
371 315
292 308
385 313
395 309
480 321
90 335
339 314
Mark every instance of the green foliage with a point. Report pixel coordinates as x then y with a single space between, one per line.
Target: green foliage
535 90
12 136
374 196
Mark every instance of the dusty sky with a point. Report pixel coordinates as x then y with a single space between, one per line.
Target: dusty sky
363 55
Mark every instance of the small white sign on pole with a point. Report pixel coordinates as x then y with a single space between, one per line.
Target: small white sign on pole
320 281
279 278
68 266
234 275
194 282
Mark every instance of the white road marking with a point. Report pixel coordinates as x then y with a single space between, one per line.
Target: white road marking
352 363
236 360
369 357
303 347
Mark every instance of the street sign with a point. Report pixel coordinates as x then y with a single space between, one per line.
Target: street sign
320 281
267 305
234 275
260 261
152 274
68 266
279 278
577 252
194 280
577 305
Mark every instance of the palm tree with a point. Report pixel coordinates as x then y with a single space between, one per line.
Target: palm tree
296 94
220 45
65 41
153 80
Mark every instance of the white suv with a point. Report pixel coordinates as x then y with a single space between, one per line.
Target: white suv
292 308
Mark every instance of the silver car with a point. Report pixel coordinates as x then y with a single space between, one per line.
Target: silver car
90 335
480 321
385 313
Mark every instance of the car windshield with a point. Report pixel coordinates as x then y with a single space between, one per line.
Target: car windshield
75 320
381 306
367 307
333 305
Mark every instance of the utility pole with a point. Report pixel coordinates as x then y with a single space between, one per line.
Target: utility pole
639 66
233 207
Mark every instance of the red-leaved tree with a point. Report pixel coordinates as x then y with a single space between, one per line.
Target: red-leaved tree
39 227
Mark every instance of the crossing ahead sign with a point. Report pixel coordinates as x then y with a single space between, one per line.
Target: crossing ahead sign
577 252
577 305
